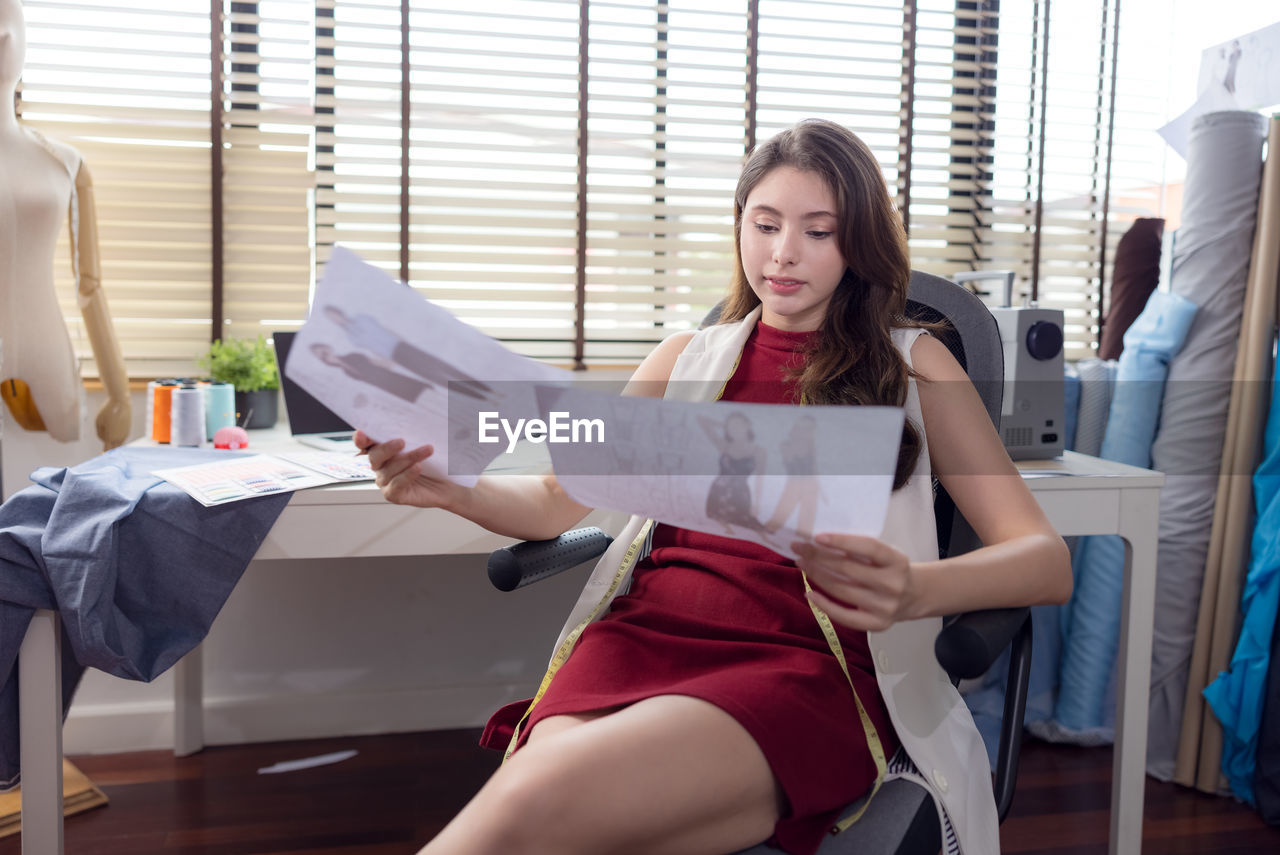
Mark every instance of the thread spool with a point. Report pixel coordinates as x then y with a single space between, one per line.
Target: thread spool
148 420
161 409
187 416
220 407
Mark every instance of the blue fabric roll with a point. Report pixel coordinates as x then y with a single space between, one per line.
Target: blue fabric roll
1150 343
1097 382
1236 696
1091 621
1071 405
136 569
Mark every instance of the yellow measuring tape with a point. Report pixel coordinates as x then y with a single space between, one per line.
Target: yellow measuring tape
868 727
566 647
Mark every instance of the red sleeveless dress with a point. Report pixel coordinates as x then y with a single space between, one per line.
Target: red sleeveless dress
727 621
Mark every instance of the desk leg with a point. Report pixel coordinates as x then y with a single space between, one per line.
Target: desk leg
188 703
40 726
1139 528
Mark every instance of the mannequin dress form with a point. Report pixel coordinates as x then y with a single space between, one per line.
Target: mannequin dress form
44 184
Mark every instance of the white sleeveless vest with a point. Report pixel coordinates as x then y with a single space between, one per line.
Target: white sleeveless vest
930 718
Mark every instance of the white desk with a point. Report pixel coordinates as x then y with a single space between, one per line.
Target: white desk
1091 496
1100 497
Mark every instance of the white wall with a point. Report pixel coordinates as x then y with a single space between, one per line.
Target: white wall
328 648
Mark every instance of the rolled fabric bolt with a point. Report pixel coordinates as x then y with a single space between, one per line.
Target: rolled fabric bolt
187 416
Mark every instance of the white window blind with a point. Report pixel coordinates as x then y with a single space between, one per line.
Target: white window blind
1060 168
666 124
451 143
1070 110
493 166
143 121
835 60
145 139
358 120
268 180
946 135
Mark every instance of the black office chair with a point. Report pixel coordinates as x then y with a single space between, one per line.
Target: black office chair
901 819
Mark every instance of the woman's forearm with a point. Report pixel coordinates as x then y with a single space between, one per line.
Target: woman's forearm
521 506
1033 569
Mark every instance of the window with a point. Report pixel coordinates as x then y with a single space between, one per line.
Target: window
560 172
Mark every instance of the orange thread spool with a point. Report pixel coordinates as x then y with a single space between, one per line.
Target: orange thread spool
160 412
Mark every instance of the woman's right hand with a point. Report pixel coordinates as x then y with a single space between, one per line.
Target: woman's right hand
400 475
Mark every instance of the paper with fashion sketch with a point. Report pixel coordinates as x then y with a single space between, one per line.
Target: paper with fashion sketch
760 472
1246 67
395 365
1240 74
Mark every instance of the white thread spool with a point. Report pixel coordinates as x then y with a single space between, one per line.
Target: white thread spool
149 419
186 416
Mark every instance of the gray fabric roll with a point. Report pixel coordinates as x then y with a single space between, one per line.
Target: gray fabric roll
1211 254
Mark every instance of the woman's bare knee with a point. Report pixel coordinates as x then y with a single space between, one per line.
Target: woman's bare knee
532 803
519 809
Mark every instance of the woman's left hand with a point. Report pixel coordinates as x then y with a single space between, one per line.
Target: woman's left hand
861 582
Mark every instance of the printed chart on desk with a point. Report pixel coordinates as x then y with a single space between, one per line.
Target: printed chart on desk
225 481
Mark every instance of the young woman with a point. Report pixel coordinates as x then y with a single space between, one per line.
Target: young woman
706 710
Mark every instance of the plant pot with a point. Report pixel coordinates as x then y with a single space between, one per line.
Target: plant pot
257 409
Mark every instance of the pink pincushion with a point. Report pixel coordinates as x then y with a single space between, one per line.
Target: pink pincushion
231 437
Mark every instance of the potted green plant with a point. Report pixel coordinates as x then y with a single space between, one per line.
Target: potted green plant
250 366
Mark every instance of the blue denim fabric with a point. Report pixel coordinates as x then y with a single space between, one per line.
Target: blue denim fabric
136 569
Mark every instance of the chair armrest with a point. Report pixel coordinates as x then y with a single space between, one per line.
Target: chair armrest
971 642
524 563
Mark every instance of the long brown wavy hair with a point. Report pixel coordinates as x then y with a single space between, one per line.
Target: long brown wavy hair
853 360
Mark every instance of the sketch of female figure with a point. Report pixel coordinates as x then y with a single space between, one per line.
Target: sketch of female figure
359 367
368 334
1233 61
730 500
800 493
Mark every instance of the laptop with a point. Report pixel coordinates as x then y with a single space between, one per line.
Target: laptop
311 422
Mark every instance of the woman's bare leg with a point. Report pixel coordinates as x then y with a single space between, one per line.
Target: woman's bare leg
670 774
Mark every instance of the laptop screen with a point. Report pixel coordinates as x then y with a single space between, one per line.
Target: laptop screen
306 414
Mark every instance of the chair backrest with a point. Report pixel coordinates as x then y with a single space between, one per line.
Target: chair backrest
971 334
973 337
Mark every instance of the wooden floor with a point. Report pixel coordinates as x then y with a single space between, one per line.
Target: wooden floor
392 796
